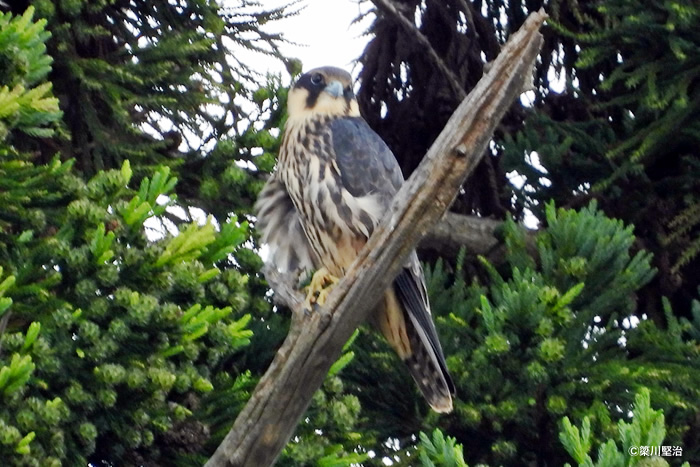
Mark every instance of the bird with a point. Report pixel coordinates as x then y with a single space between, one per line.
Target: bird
334 182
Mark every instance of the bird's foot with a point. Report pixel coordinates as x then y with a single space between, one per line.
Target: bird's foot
318 289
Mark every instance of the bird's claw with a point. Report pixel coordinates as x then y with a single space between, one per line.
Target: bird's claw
317 291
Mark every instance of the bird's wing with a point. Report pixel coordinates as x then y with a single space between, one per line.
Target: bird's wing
280 227
368 167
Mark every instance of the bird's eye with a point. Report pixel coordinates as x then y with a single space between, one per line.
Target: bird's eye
316 78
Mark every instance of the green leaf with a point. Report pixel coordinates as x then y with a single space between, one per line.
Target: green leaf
23 445
341 363
32 334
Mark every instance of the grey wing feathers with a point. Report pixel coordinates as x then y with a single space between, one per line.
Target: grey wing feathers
367 165
280 227
410 290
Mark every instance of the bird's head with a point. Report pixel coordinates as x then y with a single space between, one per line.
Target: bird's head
322 91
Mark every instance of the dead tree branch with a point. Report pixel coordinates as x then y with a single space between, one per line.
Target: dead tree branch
454 231
477 235
315 341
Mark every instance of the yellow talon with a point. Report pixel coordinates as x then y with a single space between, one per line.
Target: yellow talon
321 285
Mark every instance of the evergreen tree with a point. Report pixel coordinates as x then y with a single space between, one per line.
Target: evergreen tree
161 83
641 440
108 340
116 348
611 136
116 116
547 336
623 131
645 430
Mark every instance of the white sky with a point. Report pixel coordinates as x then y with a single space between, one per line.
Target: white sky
324 33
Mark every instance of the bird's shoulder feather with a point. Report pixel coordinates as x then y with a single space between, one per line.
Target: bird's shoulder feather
367 165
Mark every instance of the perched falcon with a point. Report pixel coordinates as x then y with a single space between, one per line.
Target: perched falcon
334 182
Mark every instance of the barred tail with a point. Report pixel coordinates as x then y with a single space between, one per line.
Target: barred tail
429 372
415 341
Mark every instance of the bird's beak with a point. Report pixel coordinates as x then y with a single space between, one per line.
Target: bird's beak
335 89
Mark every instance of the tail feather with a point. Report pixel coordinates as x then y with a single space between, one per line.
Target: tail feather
428 373
426 361
415 341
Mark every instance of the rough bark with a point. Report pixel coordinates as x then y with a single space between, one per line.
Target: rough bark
315 340
454 231
479 237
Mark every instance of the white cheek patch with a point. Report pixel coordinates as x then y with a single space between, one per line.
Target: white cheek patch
296 101
354 109
327 104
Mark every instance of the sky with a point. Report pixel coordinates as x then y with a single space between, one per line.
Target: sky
324 33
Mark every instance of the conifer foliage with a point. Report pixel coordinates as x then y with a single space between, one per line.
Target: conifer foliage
613 115
107 340
543 337
122 347
574 318
629 135
641 442
119 346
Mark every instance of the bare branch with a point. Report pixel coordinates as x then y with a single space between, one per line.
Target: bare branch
477 235
454 231
315 341
285 287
